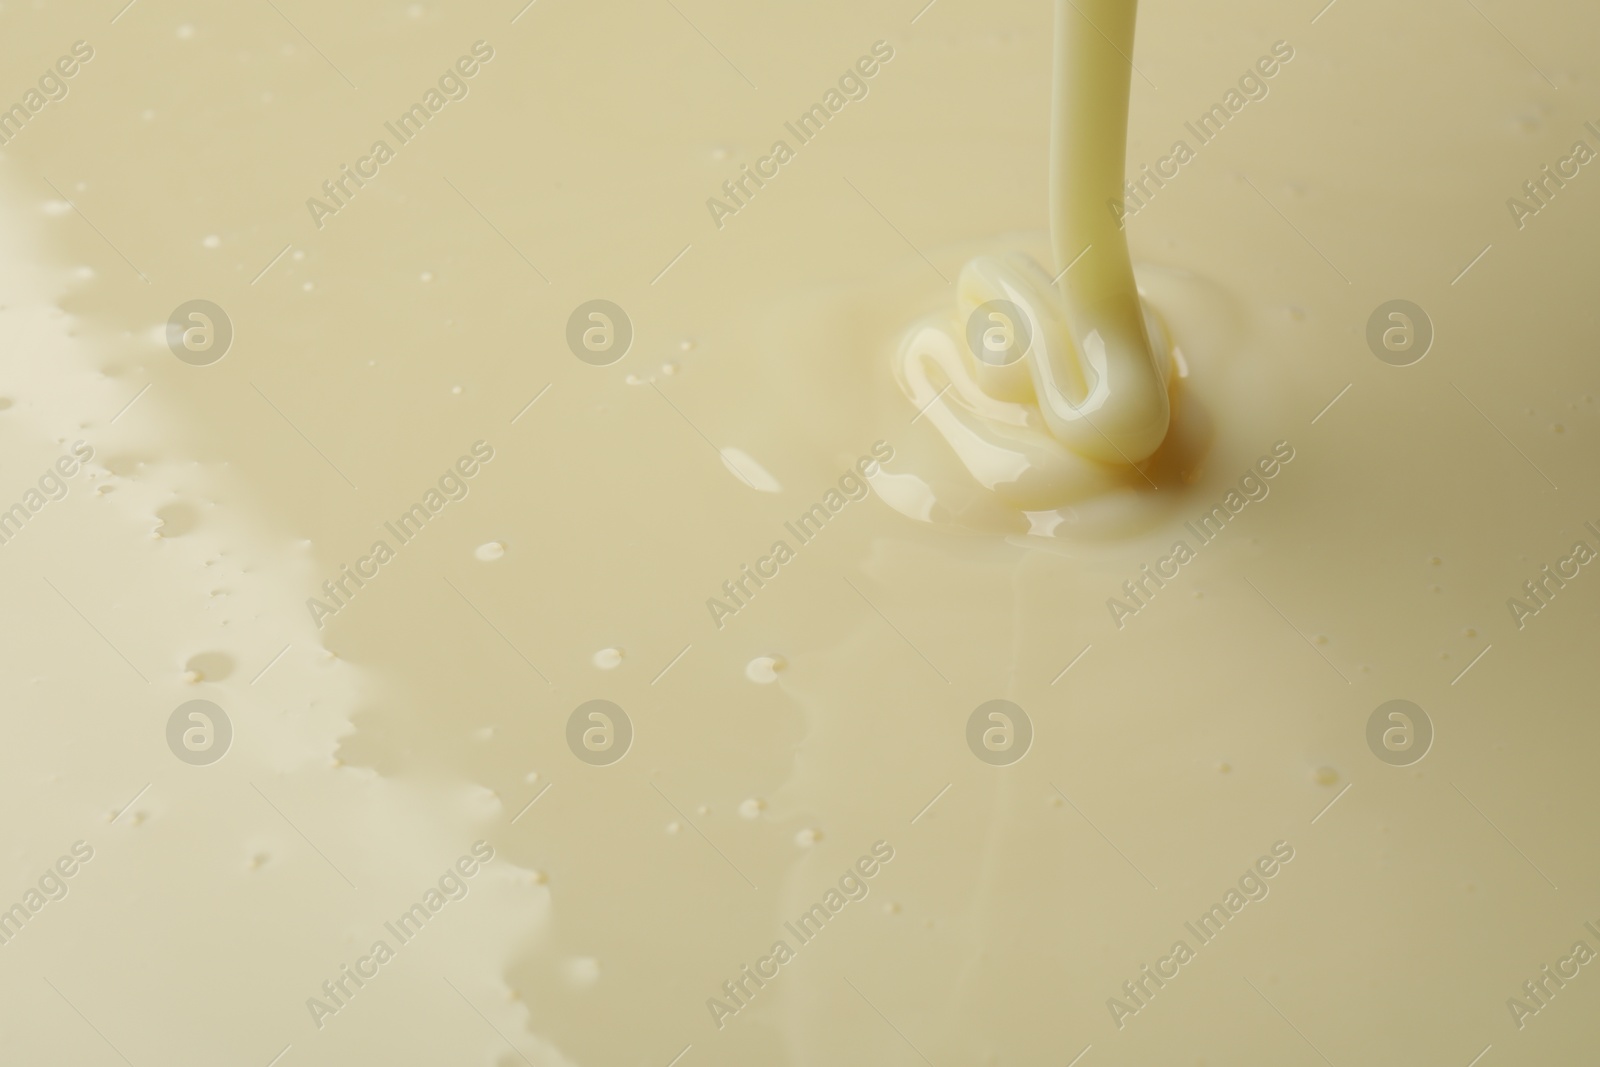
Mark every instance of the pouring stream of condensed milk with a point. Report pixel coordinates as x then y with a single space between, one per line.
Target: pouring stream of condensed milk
1052 396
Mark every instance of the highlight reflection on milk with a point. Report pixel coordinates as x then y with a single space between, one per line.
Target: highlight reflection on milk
1337 671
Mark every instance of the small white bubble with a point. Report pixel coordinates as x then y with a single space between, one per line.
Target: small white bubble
608 659
704 809
634 379
582 971
719 153
685 344
83 274
752 808
427 275
211 241
531 777
455 390
673 827
147 115
808 837
489 551
763 670
669 369
56 207
483 733
307 286
298 254
186 32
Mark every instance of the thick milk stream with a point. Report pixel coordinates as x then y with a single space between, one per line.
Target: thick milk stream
1058 386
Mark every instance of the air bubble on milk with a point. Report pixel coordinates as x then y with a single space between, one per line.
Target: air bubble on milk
208 667
608 659
582 972
489 551
763 670
752 808
747 470
808 837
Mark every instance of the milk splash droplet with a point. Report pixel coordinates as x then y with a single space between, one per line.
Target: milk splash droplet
763 670
748 471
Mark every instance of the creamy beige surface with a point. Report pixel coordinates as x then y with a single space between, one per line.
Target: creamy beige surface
424 315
